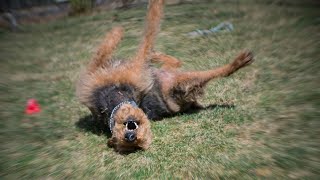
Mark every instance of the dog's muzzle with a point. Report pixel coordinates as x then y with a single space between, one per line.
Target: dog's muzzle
130 134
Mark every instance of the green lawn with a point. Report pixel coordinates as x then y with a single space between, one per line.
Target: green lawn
263 122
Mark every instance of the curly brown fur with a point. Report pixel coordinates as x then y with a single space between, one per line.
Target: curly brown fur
143 133
112 88
107 83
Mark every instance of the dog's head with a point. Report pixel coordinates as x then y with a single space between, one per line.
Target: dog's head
131 129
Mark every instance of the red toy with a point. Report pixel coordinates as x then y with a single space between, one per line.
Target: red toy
32 107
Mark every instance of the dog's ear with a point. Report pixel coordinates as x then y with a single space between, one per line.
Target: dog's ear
111 142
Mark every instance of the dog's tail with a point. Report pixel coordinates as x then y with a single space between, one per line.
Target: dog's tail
151 29
106 48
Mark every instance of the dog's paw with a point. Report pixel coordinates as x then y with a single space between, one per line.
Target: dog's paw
245 58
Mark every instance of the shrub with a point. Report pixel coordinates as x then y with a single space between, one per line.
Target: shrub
80 6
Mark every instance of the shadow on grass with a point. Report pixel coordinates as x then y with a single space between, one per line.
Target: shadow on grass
88 124
197 109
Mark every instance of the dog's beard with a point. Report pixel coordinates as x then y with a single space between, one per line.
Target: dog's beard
132 129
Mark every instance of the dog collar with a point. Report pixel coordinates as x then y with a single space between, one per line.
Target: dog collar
115 109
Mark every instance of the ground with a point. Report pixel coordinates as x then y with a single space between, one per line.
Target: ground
262 122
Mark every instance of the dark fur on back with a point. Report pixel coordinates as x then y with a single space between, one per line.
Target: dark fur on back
153 103
106 98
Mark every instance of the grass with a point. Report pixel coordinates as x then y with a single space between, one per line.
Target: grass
264 122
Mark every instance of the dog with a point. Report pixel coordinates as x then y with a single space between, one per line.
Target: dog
126 94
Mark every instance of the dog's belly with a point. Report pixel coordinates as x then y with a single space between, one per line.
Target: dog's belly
153 103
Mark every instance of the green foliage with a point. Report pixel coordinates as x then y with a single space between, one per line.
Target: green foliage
80 6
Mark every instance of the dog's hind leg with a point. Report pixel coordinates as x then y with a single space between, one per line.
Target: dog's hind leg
106 48
200 78
182 89
168 62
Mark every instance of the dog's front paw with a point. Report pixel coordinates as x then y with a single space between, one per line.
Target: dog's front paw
245 58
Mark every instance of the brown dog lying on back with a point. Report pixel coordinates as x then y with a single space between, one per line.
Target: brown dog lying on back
125 94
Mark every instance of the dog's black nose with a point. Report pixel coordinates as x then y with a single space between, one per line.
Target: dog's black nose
130 136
